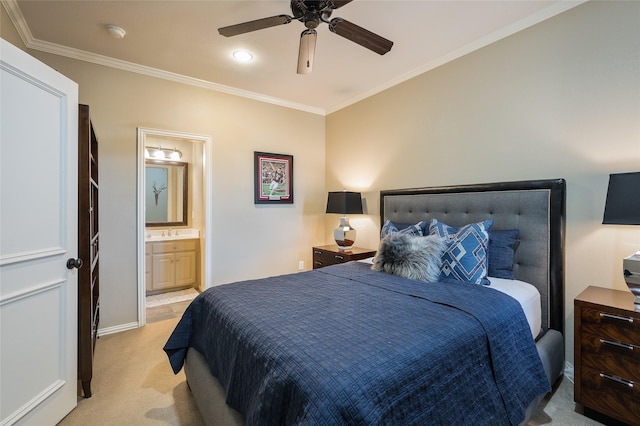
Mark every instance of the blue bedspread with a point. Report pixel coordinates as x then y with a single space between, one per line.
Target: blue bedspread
344 345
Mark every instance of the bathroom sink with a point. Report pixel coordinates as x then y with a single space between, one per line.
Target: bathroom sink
180 234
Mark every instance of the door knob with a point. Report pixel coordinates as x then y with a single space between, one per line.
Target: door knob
74 263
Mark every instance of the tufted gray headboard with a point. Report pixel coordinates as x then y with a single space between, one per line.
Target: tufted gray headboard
536 208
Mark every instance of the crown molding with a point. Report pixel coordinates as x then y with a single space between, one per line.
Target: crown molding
14 13
166 75
18 20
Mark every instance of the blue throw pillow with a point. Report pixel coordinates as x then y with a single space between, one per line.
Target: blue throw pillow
417 230
502 248
466 258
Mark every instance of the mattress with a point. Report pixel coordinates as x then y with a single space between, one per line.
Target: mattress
527 295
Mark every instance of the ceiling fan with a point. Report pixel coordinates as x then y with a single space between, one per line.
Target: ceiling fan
311 13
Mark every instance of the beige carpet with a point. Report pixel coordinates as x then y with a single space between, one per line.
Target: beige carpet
134 385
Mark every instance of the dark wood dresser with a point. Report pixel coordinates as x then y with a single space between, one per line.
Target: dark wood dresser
607 353
88 248
331 255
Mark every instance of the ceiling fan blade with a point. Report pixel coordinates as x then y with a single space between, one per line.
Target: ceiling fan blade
307 51
258 24
336 4
363 37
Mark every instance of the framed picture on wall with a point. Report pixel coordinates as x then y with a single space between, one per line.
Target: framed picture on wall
273 178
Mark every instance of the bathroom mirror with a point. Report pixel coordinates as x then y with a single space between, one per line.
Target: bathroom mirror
166 193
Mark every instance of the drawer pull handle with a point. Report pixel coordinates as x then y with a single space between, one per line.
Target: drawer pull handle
616 344
619 380
616 317
339 257
317 252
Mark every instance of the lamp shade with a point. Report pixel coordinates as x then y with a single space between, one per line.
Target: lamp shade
344 202
623 199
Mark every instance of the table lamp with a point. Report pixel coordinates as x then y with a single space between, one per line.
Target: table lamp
344 203
623 208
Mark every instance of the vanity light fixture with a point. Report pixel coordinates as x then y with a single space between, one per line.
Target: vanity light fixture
159 153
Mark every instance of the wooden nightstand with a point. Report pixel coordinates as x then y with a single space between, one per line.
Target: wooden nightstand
330 255
607 353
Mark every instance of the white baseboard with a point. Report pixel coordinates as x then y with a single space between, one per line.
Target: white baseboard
117 328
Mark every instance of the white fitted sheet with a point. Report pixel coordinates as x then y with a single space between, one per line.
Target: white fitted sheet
527 295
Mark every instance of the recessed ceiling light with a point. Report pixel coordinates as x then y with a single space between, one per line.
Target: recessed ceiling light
242 56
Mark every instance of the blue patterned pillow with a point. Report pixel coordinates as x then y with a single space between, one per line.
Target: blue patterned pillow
466 258
417 230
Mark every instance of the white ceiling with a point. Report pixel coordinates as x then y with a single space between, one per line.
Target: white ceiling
178 40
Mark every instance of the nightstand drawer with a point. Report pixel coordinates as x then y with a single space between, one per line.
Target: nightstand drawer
330 255
607 353
610 394
611 357
620 328
325 258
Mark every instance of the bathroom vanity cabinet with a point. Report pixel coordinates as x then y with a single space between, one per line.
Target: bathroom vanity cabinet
171 265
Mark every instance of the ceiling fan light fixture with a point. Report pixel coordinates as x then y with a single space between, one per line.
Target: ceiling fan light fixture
311 13
242 56
307 51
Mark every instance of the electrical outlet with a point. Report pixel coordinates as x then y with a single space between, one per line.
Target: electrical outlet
301 265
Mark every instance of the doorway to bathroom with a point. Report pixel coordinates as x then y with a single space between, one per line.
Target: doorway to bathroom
174 177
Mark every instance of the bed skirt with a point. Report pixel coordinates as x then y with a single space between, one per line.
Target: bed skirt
208 393
210 396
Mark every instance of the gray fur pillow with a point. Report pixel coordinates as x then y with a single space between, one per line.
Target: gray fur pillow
418 258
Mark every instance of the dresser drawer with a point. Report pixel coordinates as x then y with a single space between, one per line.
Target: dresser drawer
609 394
607 353
620 328
611 357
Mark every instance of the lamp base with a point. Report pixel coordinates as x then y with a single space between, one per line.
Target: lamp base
631 266
344 234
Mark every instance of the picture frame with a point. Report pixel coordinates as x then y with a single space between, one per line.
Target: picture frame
273 178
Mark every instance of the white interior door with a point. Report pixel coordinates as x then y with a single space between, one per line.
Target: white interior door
38 233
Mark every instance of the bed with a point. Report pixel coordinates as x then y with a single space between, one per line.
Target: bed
347 344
